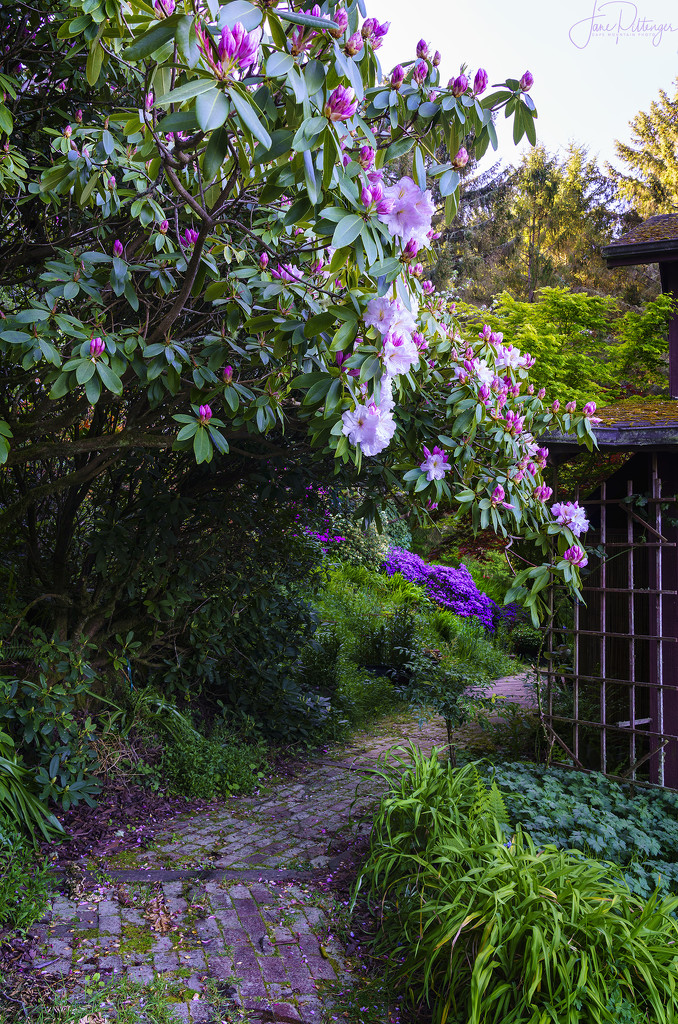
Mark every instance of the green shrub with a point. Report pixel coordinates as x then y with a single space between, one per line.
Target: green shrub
496 932
208 768
526 641
363 698
23 878
41 714
491 574
637 830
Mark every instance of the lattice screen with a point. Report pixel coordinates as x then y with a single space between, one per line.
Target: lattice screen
611 699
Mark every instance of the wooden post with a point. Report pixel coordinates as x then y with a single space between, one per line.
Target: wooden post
668 272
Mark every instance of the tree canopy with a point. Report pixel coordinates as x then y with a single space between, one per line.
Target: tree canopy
210 265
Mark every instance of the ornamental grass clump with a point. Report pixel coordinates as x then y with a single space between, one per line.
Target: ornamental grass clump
493 930
448 587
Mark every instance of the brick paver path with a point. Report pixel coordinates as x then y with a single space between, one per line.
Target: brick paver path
235 900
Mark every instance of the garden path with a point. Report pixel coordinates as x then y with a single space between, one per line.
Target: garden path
238 909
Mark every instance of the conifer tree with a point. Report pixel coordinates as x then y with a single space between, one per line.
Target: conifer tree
651 182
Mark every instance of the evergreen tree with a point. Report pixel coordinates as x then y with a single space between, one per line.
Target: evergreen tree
651 186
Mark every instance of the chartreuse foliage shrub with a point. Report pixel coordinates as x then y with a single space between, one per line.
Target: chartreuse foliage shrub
481 930
637 830
23 887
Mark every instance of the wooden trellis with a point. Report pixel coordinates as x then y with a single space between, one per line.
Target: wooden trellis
611 698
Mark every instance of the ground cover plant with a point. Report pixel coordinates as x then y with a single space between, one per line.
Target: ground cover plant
635 828
502 931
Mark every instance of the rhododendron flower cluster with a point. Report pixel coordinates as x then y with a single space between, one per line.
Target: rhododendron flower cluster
435 463
576 556
572 515
410 213
236 49
448 587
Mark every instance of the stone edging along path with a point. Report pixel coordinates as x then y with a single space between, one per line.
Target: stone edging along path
237 900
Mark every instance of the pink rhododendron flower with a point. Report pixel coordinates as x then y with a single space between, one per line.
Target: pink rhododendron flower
370 427
589 409
400 354
576 555
96 347
205 414
542 492
435 464
341 104
572 515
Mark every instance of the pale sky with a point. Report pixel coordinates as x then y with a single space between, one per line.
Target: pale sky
595 64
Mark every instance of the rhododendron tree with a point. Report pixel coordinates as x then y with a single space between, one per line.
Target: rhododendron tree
214 256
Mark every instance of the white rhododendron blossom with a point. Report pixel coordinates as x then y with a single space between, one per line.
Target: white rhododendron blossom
400 354
370 426
411 211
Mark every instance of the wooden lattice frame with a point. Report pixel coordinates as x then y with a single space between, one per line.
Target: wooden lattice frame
645 610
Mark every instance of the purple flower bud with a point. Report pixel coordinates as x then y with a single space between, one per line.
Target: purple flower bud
366 196
397 76
118 248
354 44
556 406
416 269
410 251
420 71
576 556
427 287
437 57
227 374
461 159
589 409
378 33
420 341
68 131
369 25
165 7
422 48
205 414
340 20
111 183
570 407
541 394
526 82
498 495
458 85
341 104
366 157
542 492
78 116
148 102
163 227
96 347
480 81
263 260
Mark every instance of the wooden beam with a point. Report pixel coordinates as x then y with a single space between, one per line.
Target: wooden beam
668 273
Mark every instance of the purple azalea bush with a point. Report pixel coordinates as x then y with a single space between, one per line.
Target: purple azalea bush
451 588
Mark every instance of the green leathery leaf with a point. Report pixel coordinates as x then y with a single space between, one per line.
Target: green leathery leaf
249 118
217 148
153 39
187 41
347 230
185 92
202 446
109 379
278 64
211 109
